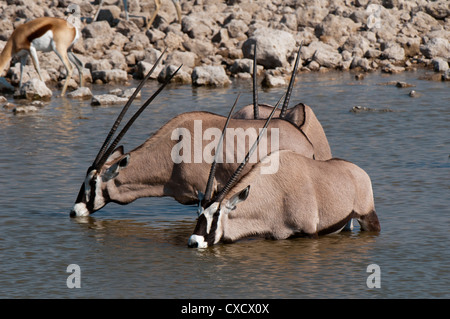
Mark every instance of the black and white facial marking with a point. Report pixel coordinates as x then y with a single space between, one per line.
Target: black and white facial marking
93 195
205 232
209 229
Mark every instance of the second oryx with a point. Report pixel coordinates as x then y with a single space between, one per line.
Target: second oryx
150 170
304 197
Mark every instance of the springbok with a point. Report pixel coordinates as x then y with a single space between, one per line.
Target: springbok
46 34
303 198
301 115
155 13
150 169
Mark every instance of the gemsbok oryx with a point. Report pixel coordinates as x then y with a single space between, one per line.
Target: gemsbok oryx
303 198
153 169
301 115
46 34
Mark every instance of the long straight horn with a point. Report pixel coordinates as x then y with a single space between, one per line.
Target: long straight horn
133 118
233 179
255 89
212 172
291 85
122 114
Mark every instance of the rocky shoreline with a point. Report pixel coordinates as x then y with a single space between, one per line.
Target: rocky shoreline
215 38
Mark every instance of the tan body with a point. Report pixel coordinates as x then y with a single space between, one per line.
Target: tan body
149 171
305 197
43 34
303 117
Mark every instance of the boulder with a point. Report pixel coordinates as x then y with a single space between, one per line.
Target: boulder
108 76
210 75
35 89
274 47
440 65
436 47
81 93
107 99
393 51
180 77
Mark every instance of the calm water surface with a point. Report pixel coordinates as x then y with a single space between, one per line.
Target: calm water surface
140 250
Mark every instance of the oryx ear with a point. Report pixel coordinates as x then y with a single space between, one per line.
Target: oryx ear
114 170
116 154
237 198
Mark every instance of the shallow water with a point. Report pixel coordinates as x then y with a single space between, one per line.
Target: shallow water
140 250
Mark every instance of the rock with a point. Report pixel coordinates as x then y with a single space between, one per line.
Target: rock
110 14
438 9
35 89
107 99
196 27
273 80
336 28
328 59
144 67
446 75
99 65
98 30
110 76
82 93
199 47
372 53
188 59
237 29
124 93
393 51
439 65
180 77
24 109
362 63
436 47
356 44
242 66
310 16
403 85
359 109
274 47
32 107
390 68
210 76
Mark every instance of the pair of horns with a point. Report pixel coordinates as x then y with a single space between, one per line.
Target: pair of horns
107 148
289 89
234 178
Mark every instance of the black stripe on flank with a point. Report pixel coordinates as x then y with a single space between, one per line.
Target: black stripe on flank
338 225
39 32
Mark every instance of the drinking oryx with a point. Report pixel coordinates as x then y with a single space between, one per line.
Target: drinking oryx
151 170
304 197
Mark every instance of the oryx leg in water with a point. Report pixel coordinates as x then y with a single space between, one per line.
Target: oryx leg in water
301 115
303 197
